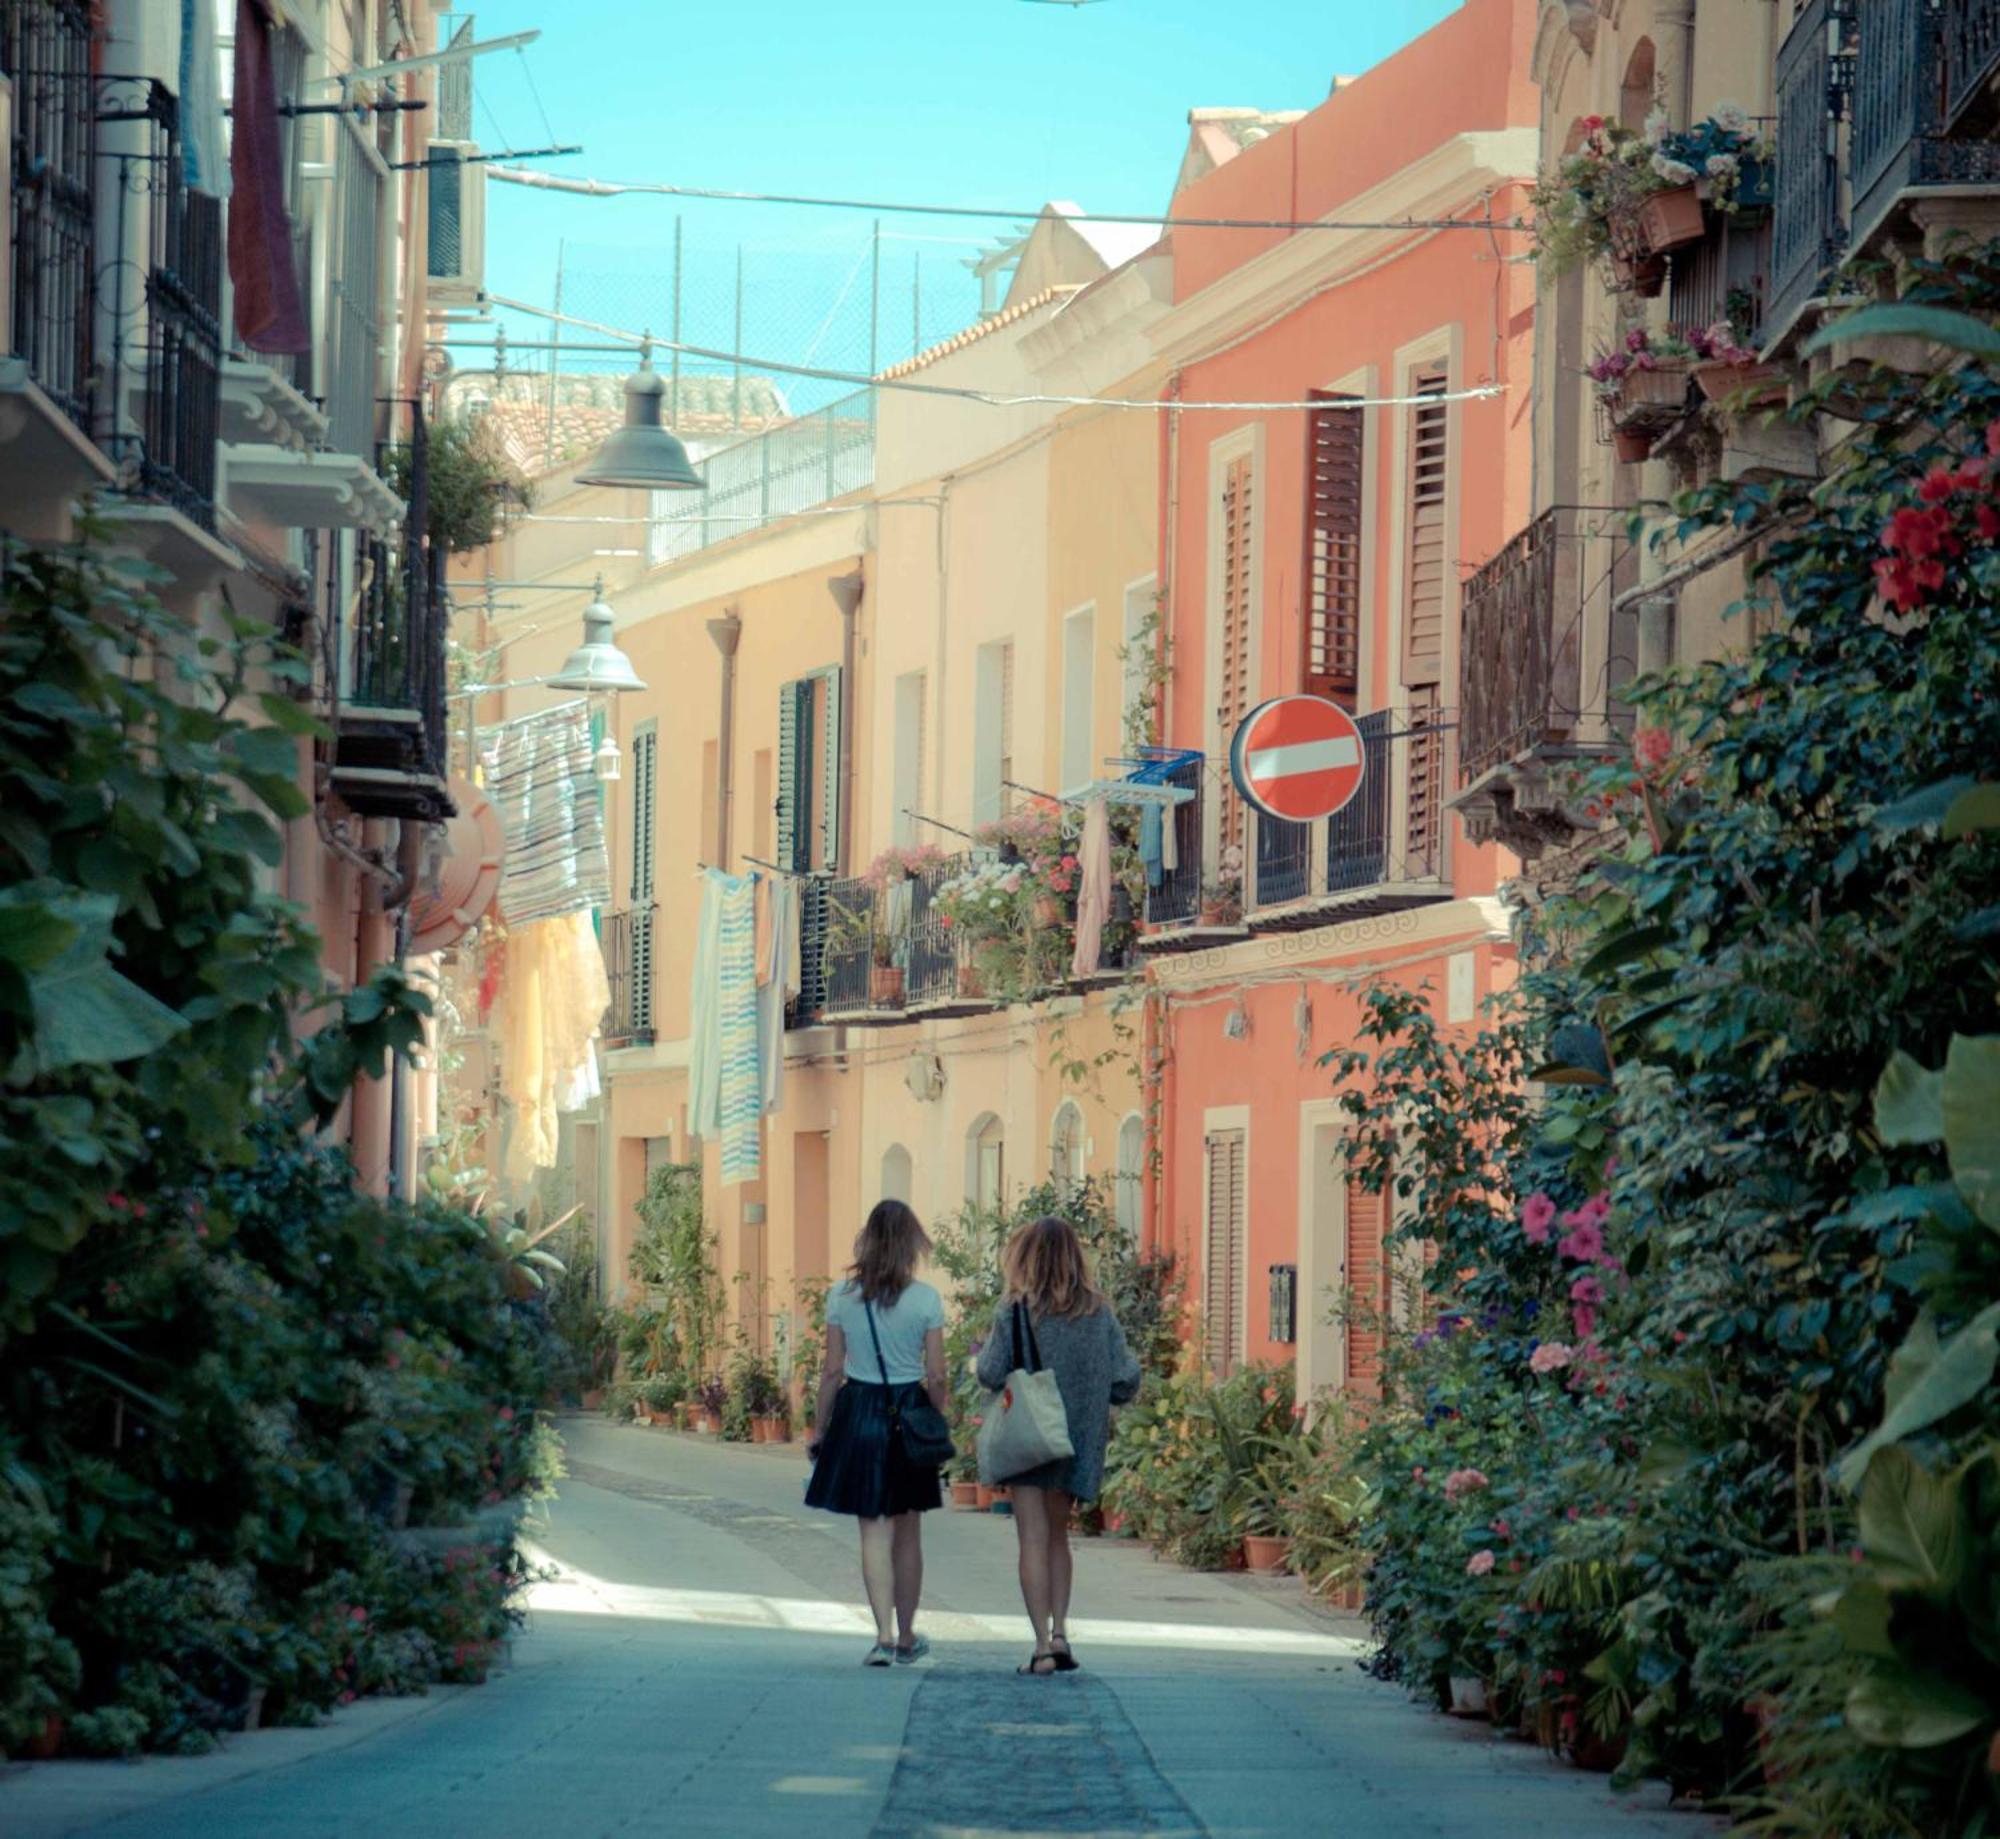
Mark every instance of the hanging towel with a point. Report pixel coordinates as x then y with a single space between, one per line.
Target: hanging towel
742 1090
901 921
541 780
204 146
551 1006
269 313
1170 841
705 1016
1093 900
775 954
1149 845
795 963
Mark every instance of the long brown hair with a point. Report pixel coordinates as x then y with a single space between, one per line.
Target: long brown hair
1046 1269
886 1253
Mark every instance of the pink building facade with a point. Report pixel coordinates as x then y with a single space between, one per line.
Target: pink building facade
1321 548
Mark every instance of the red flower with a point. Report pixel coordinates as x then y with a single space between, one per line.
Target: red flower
1915 533
506 1414
1988 520
1937 485
1993 437
1896 583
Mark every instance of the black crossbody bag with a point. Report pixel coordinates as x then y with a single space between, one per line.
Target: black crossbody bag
925 1434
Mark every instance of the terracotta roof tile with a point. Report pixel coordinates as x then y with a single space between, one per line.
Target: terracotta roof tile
973 334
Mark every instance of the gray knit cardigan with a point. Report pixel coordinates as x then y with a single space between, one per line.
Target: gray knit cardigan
1094 1370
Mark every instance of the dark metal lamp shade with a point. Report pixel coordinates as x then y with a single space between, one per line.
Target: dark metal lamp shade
643 454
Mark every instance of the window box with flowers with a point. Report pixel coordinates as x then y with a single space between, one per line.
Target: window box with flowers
1642 385
1729 371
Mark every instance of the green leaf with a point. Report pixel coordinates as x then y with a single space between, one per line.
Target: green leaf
32 931
1861 1613
86 1013
1903 1710
1577 1057
265 750
1971 1108
1942 326
1975 808
292 717
1919 810
1622 948
1913 1524
1984 924
1909 1102
1928 1379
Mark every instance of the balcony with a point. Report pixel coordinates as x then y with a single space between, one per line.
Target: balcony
1383 852
627 939
1540 662
880 956
860 947
1174 912
389 733
47 377
1916 115
1806 231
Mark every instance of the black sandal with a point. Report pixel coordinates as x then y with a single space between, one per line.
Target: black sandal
1036 1669
1065 1656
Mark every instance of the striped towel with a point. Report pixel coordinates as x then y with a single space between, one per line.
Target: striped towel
540 777
736 1001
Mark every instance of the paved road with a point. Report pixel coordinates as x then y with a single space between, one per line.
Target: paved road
692 1669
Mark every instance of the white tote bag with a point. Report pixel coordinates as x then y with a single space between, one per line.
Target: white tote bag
1024 1424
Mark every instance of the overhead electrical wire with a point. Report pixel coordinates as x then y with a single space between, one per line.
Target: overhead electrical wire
618 188
991 398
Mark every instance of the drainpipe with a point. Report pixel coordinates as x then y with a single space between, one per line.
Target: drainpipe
727 632
846 592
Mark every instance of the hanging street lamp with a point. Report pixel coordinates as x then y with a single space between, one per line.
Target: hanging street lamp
642 453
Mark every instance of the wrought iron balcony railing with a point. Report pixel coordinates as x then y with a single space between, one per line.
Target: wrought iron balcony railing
627 940
1969 52
1384 848
1175 899
45 52
1517 678
1806 232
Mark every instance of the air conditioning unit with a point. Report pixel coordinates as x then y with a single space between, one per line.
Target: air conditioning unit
457 265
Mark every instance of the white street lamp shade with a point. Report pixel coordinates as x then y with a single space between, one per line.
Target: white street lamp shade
609 762
642 453
597 665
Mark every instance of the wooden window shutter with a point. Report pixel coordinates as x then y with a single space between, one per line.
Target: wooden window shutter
1006 772
1335 462
1367 1287
1424 594
1227 1251
645 845
794 802
831 716
1233 698
1424 846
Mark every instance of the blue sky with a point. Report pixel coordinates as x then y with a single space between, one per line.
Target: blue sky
1002 102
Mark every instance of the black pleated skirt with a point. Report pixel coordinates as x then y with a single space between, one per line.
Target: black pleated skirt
861 1468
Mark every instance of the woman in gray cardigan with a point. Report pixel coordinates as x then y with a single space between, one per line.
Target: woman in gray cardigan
1079 1340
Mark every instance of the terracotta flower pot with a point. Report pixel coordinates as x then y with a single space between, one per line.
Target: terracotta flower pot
983 1497
885 986
1265 1555
1114 1523
969 983
965 1494
776 1429
1753 383
709 1423
1631 445
760 1430
592 1399
1671 219
46 1743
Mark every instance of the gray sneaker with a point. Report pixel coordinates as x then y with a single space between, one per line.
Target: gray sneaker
880 1655
918 1648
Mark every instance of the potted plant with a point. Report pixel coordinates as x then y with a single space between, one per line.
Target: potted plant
1222 893
1718 163
885 975
711 1396
1642 384
663 1393
1729 371
1589 205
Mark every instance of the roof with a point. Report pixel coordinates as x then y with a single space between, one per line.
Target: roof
1114 244
1216 136
973 334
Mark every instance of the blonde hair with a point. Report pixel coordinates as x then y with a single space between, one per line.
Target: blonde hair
1046 1268
886 1253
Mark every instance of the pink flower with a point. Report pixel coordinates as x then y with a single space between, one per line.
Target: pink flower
1463 1481
1537 1214
1584 1242
1936 485
1479 1564
1587 1289
1653 747
1596 1210
506 1414
1550 1357
1584 1319
1417 1473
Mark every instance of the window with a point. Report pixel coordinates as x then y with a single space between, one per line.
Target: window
645 831
1366 1285
1332 626
1079 682
1424 492
908 788
1232 700
1227 1251
898 1174
985 1169
1129 1188
993 731
1425 822
1066 1147
808 801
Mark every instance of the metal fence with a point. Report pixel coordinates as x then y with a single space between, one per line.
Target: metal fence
784 470
45 52
627 942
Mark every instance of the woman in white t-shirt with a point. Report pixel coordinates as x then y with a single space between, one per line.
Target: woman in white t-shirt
884 1354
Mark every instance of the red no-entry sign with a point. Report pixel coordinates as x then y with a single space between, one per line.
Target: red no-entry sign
1297 757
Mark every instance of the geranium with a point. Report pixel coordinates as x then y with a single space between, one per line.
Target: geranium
1462 1482
1584 1242
1479 1564
1550 1357
1538 1213
1653 747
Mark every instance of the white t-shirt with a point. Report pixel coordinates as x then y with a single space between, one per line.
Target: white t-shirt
901 1324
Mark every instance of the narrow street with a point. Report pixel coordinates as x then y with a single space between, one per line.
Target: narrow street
692 1669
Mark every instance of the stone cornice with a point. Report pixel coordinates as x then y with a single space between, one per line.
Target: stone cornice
1265 286
1475 920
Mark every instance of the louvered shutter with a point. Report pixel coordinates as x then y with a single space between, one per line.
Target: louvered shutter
1424 597
1335 440
1233 693
831 716
794 802
1424 850
1226 1251
645 834
1006 774
1367 1286
813 904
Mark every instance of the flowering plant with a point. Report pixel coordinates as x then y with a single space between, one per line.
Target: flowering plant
1715 152
1641 350
1604 180
897 864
